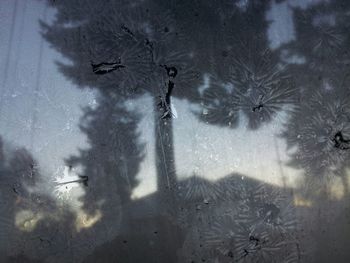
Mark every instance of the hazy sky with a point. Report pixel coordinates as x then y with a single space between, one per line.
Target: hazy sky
29 77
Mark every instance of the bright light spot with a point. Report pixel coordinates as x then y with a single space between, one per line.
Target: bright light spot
26 220
300 201
83 220
337 189
63 190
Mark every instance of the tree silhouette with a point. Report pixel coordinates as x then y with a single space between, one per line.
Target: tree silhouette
149 47
318 131
255 81
28 214
18 173
124 50
111 162
130 49
319 127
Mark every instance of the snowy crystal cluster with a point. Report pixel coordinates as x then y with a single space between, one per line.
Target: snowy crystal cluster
256 223
216 57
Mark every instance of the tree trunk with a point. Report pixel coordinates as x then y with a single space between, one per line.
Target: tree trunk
164 154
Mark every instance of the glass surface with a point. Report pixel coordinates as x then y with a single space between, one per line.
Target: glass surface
174 131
